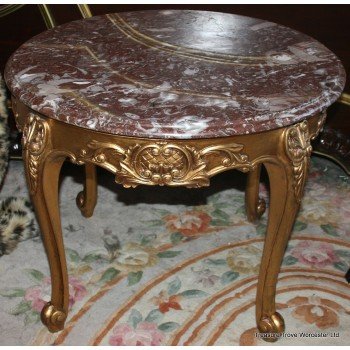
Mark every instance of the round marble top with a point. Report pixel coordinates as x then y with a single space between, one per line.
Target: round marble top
175 74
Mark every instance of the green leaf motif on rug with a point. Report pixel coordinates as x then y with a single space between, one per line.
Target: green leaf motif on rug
228 277
342 253
176 237
168 326
215 261
21 308
341 266
168 254
12 293
223 205
218 213
93 256
289 260
241 210
134 277
154 316
174 286
330 230
135 318
219 222
193 293
161 212
109 274
73 255
147 239
299 226
31 317
35 274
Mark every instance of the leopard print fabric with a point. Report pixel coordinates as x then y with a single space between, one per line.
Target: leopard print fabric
17 223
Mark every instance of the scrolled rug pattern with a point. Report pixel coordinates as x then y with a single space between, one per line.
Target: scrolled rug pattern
146 272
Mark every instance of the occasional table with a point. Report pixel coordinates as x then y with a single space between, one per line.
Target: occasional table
172 98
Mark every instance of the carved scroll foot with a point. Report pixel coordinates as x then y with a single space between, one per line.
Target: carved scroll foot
87 199
53 318
271 325
255 206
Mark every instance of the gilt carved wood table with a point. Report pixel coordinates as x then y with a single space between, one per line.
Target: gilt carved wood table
172 98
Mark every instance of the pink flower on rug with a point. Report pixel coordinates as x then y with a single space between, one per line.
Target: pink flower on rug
40 295
189 223
316 254
145 333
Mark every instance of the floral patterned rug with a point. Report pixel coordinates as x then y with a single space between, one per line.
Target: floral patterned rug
173 266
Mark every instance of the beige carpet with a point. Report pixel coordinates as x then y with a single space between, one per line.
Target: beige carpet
175 266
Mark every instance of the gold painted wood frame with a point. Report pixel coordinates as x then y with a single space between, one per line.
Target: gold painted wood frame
284 152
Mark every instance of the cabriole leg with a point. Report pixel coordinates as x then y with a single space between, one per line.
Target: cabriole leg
42 172
45 201
287 178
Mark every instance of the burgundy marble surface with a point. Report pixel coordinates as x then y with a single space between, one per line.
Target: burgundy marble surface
175 74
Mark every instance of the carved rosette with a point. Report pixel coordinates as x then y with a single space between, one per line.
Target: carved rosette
165 163
298 149
35 135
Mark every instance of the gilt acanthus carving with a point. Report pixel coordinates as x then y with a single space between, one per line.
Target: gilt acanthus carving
165 163
35 135
298 149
